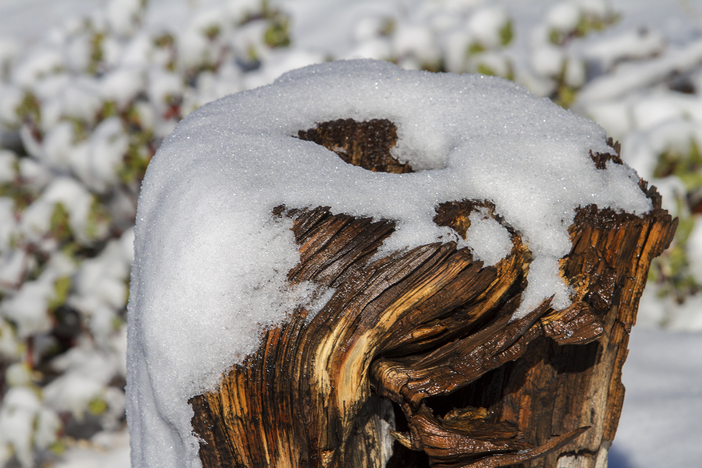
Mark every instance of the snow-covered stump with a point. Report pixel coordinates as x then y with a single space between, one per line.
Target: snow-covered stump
363 266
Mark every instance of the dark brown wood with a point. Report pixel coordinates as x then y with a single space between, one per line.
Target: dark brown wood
414 360
365 144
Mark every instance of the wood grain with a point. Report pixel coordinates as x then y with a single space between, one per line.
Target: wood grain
414 360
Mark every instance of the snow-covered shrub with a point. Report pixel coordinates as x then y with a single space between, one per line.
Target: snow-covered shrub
554 69
455 37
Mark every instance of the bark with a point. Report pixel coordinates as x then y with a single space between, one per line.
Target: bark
415 361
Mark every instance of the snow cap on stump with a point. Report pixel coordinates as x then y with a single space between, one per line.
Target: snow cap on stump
211 258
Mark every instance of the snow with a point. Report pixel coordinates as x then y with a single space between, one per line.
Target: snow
10 98
89 371
28 307
622 77
695 251
7 166
635 76
106 148
13 267
7 222
487 23
123 16
105 450
73 197
660 423
631 44
548 60
489 240
416 40
21 412
564 16
38 64
101 280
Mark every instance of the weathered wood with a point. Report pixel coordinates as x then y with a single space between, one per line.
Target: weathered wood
417 348
365 144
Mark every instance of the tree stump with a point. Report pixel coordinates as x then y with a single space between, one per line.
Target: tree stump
414 360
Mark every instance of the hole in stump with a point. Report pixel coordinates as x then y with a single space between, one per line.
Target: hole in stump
365 144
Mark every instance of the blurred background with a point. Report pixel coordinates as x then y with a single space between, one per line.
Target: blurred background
89 89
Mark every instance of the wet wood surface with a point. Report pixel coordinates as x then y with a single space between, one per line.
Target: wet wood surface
414 361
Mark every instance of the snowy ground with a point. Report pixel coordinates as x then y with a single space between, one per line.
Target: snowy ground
661 424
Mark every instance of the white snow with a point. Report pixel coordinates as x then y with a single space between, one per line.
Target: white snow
39 64
122 85
489 240
12 269
7 222
637 75
660 423
8 344
548 60
8 160
486 24
564 16
35 174
106 148
106 450
416 40
10 98
695 251
73 197
21 413
100 282
632 44
28 308
90 369
124 16
204 221
641 148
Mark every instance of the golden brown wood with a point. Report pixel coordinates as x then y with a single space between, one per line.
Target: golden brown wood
416 350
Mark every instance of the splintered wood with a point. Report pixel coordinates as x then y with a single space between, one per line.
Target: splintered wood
415 361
